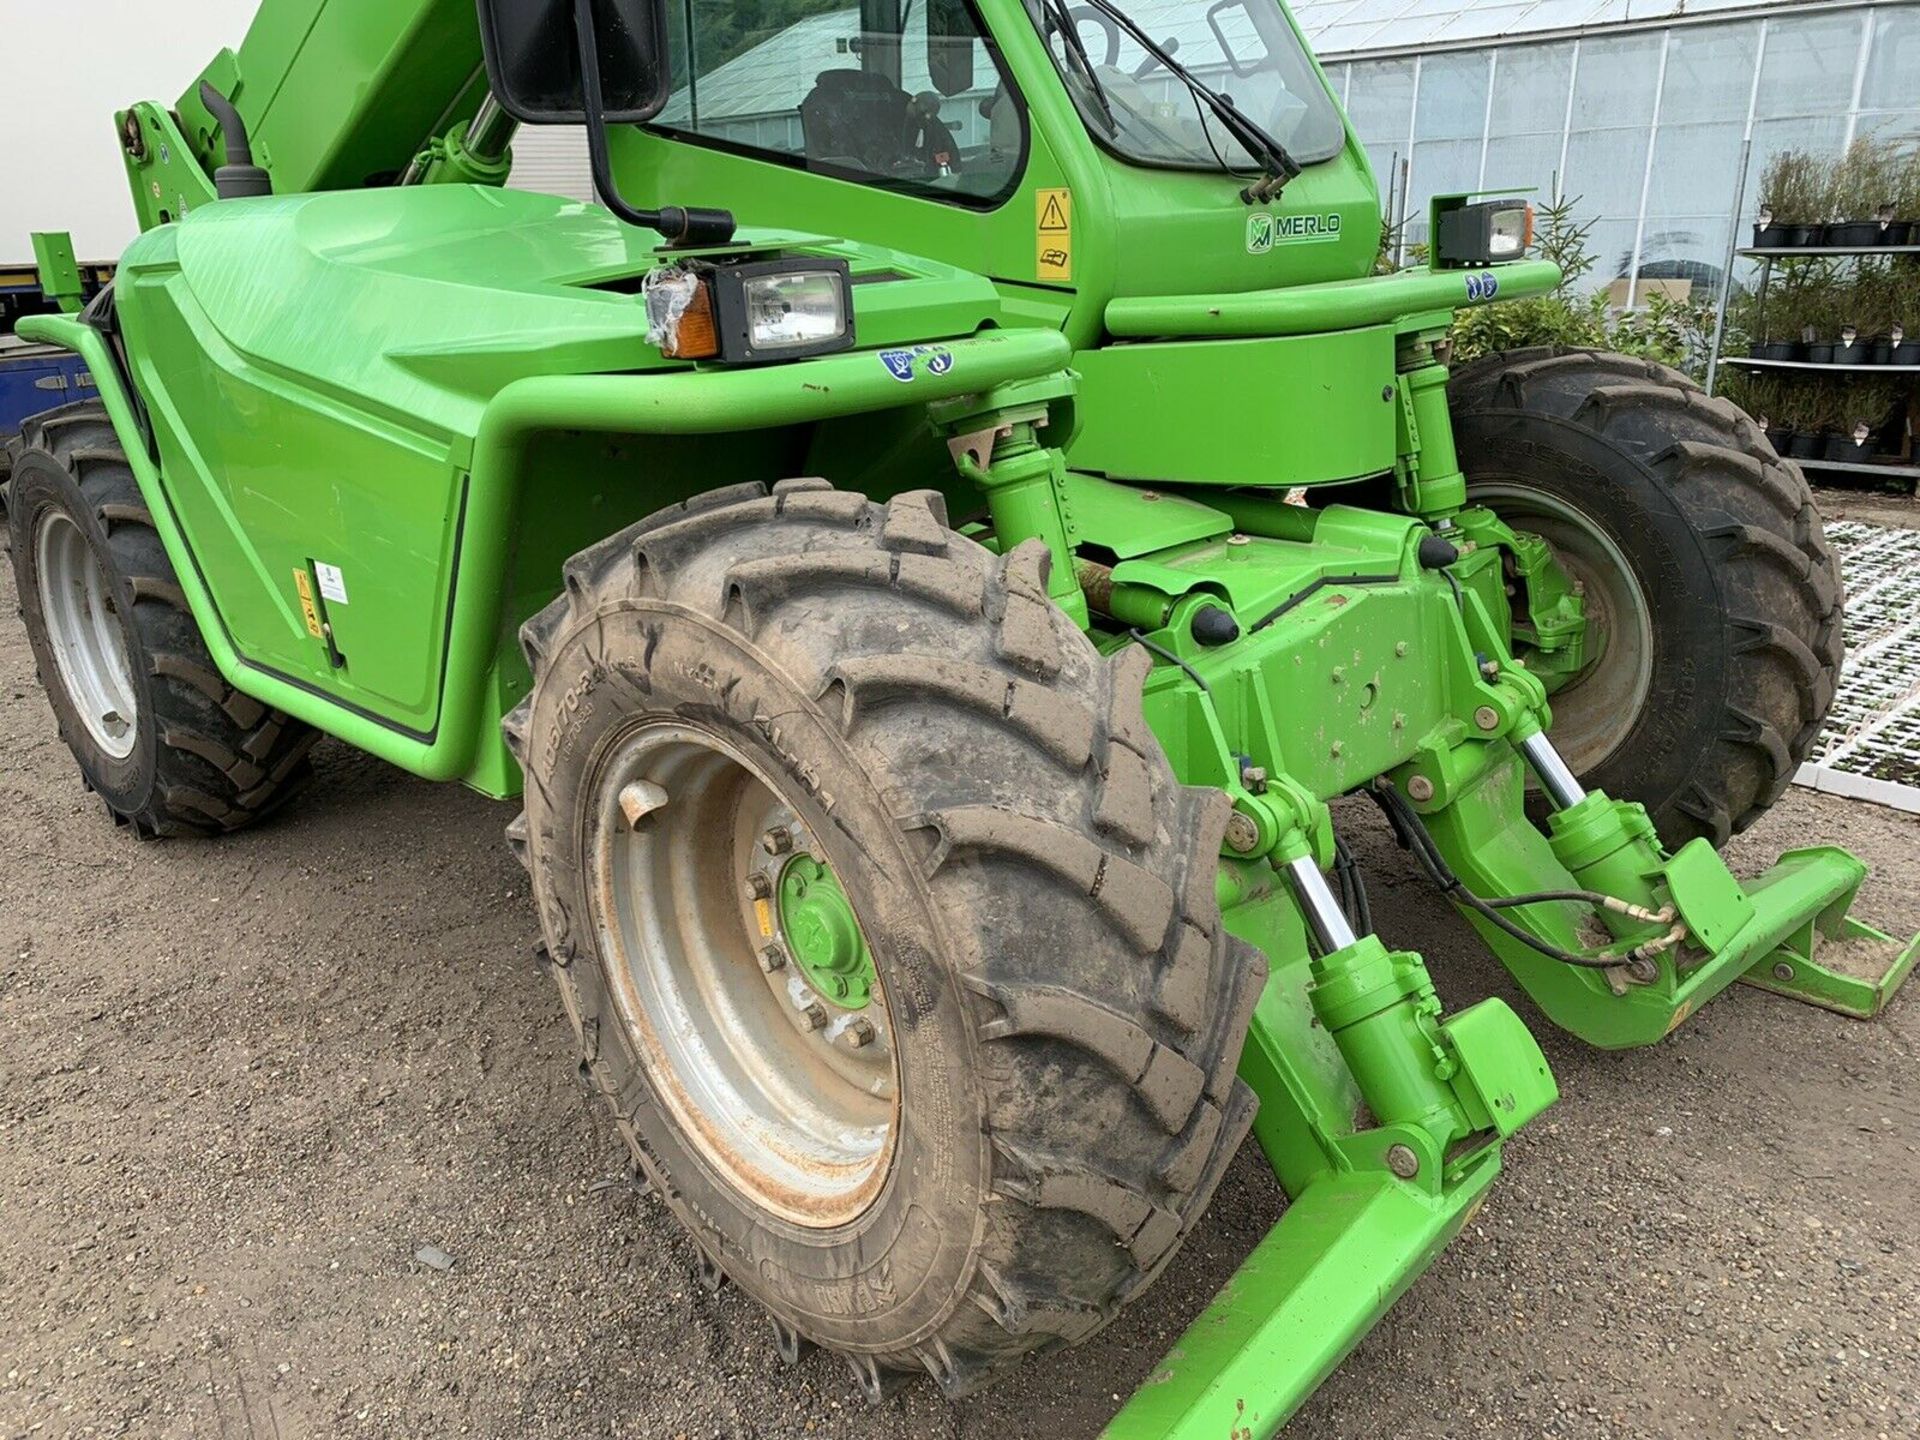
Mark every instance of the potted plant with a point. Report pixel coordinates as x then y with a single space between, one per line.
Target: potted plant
1903 311
1794 202
1864 408
1865 197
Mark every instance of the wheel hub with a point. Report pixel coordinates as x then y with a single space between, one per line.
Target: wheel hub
822 935
1595 711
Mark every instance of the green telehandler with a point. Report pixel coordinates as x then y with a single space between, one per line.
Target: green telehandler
926 630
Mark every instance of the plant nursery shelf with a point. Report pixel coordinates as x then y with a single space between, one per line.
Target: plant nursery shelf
1750 363
1862 467
1794 252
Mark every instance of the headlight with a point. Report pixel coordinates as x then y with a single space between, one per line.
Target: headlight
783 309
1485 233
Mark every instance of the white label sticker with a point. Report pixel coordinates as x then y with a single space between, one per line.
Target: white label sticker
333 585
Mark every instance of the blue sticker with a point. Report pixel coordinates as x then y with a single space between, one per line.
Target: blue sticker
1483 287
906 365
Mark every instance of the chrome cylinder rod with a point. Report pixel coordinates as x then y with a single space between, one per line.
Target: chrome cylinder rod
1324 915
1555 778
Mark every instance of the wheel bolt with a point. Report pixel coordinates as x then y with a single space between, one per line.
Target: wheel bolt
777 841
815 1016
858 1034
773 958
759 886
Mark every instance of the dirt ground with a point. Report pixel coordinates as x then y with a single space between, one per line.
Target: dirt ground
242 1083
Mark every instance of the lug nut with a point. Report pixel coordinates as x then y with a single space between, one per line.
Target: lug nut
777 841
773 958
858 1035
759 886
815 1016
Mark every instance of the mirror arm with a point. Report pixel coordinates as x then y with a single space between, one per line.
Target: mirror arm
681 226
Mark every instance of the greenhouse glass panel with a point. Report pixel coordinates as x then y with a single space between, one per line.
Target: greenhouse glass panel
1710 74
1380 105
1453 97
1517 163
1893 63
1440 167
1617 82
1530 91
1817 135
1898 127
1605 172
1696 169
1610 242
1810 65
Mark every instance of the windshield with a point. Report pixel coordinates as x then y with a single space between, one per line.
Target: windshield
1244 49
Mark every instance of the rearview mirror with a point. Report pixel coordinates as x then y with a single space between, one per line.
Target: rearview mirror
533 59
951 39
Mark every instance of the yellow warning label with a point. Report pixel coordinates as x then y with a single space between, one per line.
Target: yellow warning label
305 587
763 912
1053 234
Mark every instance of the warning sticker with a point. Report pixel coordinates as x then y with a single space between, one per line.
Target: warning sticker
1053 234
305 587
333 585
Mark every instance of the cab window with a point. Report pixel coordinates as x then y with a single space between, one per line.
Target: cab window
901 94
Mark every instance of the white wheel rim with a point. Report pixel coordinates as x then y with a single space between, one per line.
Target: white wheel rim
785 1112
86 635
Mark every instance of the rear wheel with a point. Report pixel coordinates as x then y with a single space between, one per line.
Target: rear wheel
168 745
888 937
1715 603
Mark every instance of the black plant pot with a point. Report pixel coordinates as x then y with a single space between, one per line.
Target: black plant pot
1856 234
1907 352
1842 449
1806 444
1900 232
1772 237
1782 440
1860 352
1778 350
1820 353
1881 351
1806 237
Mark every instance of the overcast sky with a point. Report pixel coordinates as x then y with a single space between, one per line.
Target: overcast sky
70 65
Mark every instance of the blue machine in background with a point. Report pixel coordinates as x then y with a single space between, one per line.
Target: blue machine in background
35 378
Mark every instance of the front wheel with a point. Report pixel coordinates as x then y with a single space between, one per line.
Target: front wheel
1715 605
158 733
888 937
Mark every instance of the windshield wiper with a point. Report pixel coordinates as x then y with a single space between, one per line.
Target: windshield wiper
1064 26
1269 153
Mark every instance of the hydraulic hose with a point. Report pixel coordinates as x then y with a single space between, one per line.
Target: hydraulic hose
1414 835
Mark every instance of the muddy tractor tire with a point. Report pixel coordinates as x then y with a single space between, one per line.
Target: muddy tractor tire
887 936
1716 601
158 733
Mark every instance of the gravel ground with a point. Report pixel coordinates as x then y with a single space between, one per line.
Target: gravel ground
242 1083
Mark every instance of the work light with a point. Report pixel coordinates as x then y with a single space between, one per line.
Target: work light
782 309
1483 234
